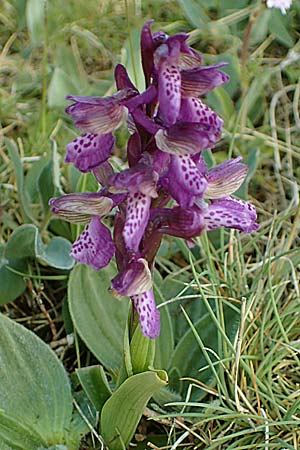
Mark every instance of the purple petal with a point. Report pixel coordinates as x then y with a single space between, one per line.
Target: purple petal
134 149
99 115
122 78
94 246
138 100
194 110
185 180
103 172
133 280
89 151
186 138
201 80
177 221
139 178
78 208
148 314
225 178
137 216
147 50
231 213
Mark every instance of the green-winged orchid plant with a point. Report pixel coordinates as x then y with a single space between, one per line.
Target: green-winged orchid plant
169 128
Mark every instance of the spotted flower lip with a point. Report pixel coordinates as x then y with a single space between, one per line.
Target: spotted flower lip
232 213
94 246
184 180
89 151
148 313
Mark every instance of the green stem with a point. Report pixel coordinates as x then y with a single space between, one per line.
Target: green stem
131 41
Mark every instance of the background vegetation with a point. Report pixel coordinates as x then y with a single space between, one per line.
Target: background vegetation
231 339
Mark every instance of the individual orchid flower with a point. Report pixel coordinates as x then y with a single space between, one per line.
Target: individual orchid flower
283 5
94 246
140 183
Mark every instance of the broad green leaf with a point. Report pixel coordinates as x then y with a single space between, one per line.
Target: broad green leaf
220 100
12 285
195 12
57 254
16 434
35 18
278 25
18 168
95 385
34 388
99 318
46 186
123 410
24 242
32 176
60 86
260 27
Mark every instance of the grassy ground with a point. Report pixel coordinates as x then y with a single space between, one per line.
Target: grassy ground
254 400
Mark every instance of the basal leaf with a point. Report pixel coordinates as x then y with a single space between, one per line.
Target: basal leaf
95 385
24 242
99 318
12 285
57 254
34 388
123 410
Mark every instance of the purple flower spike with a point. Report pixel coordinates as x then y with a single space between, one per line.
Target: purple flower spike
225 178
231 213
89 151
148 313
94 246
99 115
185 181
133 280
201 80
169 127
78 208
